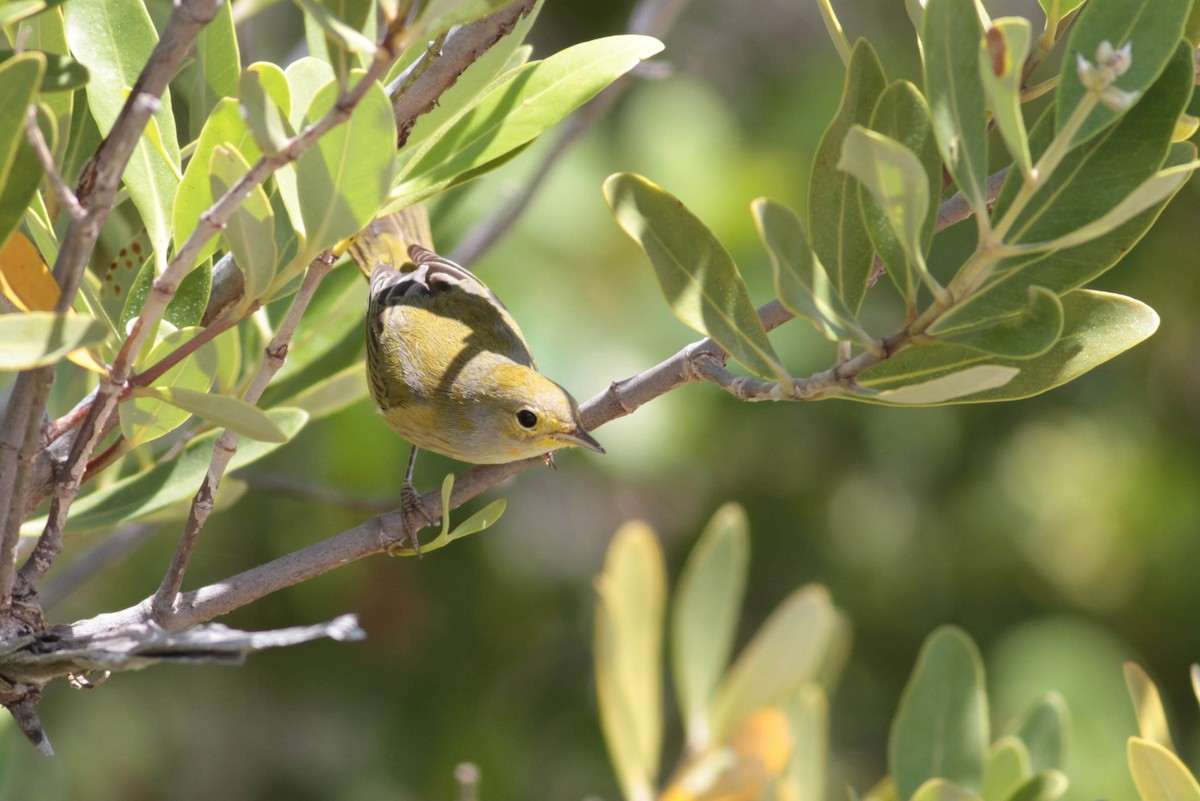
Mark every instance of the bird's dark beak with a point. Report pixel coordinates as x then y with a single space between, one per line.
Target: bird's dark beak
581 439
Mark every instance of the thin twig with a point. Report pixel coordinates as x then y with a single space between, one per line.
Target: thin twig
155 371
65 195
226 445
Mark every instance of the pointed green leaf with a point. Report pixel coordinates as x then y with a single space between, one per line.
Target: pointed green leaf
1031 332
839 236
63 73
1006 769
1152 718
903 115
786 653
1043 730
801 283
166 484
941 727
149 416
514 110
951 30
1153 26
345 177
266 102
34 339
483 519
1096 327
705 615
1002 54
896 181
1158 773
224 410
250 230
628 654
698 276
1092 180
213 72
114 38
1045 785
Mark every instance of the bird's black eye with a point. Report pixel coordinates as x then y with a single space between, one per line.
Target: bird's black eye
527 418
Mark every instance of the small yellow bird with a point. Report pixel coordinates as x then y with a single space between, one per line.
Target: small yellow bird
446 363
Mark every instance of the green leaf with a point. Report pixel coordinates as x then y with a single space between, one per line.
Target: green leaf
899 187
266 102
306 77
1028 333
213 73
34 339
20 79
47 33
345 177
801 283
516 109
839 236
698 276
167 483
1092 180
941 728
951 31
114 38
17 10
224 127
804 778
1043 730
250 230
903 115
148 416
942 790
1152 718
347 386
1064 6
343 33
951 387
705 615
63 73
1153 26
483 519
1045 785
1096 327
628 653
439 16
1002 54
1006 769
785 654
223 410
19 185
1158 773
339 307
185 309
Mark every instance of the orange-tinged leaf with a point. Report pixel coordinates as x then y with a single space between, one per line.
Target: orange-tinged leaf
741 770
24 277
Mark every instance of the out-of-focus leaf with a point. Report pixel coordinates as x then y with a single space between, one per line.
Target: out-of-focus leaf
698 276
747 767
250 230
950 33
899 187
787 652
19 184
114 39
804 779
951 387
1031 332
17 10
628 654
266 103
165 484
1045 785
941 728
1096 327
801 283
942 790
705 615
839 235
1089 182
338 305
903 115
34 339
224 126
1195 674
25 278
516 109
148 416
346 35
1006 768
335 393
1153 26
63 73
439 16
306 77
1043 730
213 73
1002 54
1152 718
345 177
1158 773
48 33
20 78
1064 6
224 410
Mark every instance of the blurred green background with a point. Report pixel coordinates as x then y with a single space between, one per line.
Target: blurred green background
1062 532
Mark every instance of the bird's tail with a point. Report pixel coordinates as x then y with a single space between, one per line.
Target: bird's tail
384 243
